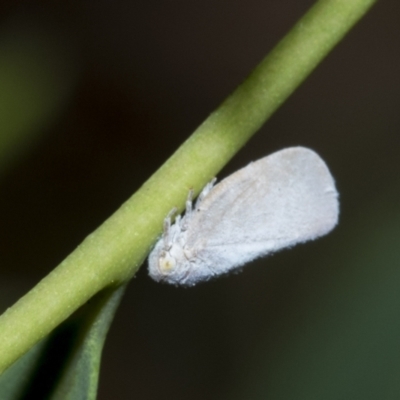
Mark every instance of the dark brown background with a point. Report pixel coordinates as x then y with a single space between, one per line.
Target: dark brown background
125 83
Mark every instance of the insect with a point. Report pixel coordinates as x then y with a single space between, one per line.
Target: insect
282 199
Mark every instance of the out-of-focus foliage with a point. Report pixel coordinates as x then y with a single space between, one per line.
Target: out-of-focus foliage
36 76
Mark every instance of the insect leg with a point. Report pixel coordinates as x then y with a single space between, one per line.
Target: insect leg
205 191
167 229
188 212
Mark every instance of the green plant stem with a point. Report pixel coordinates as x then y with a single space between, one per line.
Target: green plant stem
114 252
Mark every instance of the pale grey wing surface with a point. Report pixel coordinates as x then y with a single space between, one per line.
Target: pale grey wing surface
275 202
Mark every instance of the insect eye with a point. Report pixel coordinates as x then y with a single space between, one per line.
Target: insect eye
166 263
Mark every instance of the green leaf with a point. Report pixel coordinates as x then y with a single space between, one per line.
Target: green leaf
65 365
16 379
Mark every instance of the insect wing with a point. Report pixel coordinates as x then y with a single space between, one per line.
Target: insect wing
280 200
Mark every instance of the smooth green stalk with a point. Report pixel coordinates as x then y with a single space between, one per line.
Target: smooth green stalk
113 253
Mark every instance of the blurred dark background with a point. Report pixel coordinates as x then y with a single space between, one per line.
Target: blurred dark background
94 97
